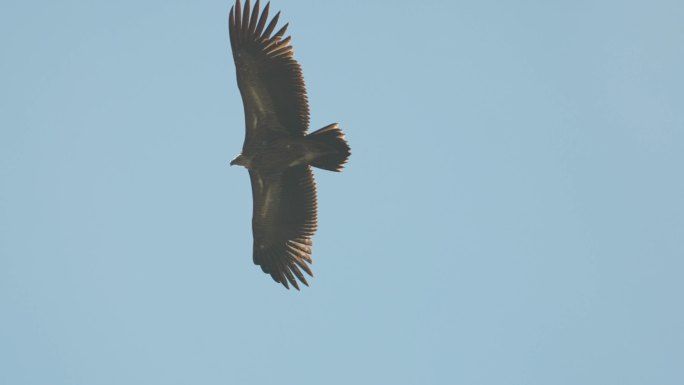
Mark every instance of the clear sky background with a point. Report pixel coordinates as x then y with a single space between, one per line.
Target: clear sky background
512 213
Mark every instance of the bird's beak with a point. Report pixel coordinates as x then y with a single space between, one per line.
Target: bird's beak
236 160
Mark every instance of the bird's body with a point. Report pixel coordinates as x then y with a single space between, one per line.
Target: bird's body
277 151
282 153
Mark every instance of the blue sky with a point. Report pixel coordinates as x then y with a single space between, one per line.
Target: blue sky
512 212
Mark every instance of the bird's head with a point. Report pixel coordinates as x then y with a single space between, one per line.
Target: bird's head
239 160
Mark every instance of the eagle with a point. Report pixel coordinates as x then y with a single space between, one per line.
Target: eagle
277 151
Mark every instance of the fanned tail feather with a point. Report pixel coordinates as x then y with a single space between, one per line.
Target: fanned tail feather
334 146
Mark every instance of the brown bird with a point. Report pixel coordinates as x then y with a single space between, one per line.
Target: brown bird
277 152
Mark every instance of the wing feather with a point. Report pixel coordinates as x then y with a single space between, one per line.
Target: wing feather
262 19
255 18
238 17
271 26
245 19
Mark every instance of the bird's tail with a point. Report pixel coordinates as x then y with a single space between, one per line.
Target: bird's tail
333 148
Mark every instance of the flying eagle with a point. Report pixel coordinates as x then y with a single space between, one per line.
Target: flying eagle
277 152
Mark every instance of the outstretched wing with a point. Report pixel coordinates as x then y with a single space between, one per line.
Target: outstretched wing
269 78
283 222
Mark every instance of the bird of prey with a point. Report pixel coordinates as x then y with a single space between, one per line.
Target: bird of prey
278 152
